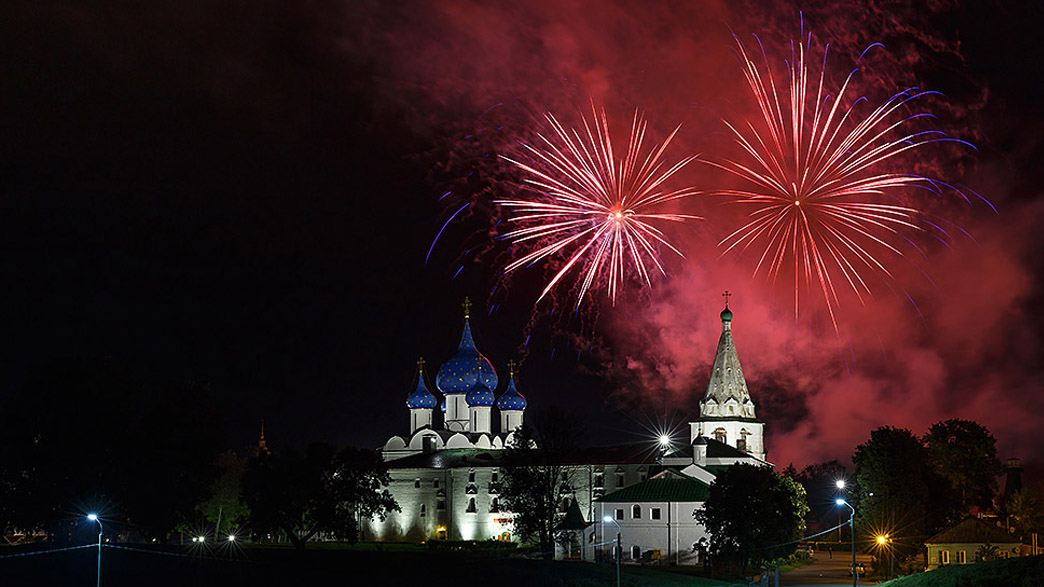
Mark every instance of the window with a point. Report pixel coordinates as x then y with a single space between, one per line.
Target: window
471 476
944 557
591 538
565 476
471 506
643 476
440 504
720 435
962 557
416 483
654 513
636 552
495 477
636 512
424 510
741 442
619 479
599 479
494 506
619 514
565 504
436 483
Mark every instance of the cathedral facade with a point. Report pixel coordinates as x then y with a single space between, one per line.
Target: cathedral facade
445 472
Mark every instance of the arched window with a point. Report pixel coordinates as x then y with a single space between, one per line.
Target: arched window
424 510
636 552
741 442
720 435
494 506
471 506
636 512
416 483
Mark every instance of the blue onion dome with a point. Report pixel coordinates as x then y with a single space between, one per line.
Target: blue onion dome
479 396
467 367
511 399
421 397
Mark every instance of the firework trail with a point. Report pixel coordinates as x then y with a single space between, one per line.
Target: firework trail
821 196
592 210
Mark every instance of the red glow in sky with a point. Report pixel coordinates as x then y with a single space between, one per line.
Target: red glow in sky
950 336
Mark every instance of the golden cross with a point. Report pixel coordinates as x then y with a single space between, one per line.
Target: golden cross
726 295
420 365
467 308
511 368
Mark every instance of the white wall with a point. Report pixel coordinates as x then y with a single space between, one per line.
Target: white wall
674 534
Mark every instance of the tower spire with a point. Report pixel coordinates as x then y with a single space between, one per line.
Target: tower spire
261 446
467 307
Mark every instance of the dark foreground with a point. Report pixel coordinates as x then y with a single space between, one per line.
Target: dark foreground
259 567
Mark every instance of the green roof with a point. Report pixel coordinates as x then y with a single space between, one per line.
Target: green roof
672 487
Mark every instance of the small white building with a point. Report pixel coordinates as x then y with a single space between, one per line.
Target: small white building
958 544
656 519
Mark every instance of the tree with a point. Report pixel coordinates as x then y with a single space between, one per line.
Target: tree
965 453
753 514
899 491
535 479
820 483
1026 510
320 491
224 506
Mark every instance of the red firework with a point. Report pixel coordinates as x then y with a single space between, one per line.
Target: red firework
590 210
821 198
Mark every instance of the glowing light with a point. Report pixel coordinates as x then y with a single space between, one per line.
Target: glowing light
882 539
608 519
589 210
202 539
92 517
840 502
231 538
840 483
821 199
665 440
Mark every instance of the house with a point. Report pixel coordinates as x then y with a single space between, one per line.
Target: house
959 544
656 520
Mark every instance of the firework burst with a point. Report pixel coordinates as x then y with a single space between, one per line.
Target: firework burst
825 191
588 209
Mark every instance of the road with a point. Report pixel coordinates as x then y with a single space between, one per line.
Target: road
827 571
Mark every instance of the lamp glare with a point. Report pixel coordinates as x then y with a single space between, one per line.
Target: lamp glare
92 517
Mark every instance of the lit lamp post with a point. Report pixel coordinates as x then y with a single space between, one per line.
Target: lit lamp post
840 484
851 526
616 552
94 518
883 541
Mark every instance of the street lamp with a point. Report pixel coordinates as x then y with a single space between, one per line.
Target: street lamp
851 525
840 484
882 541
618 551
94 518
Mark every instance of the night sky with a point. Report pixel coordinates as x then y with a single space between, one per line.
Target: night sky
243 194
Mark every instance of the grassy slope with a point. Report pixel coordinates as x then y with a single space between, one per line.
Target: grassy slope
261 567
1015 572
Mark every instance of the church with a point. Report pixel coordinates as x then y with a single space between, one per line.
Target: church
445 470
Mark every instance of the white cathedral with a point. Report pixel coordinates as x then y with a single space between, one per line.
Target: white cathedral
445 472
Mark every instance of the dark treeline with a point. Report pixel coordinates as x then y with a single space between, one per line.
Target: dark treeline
81 435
